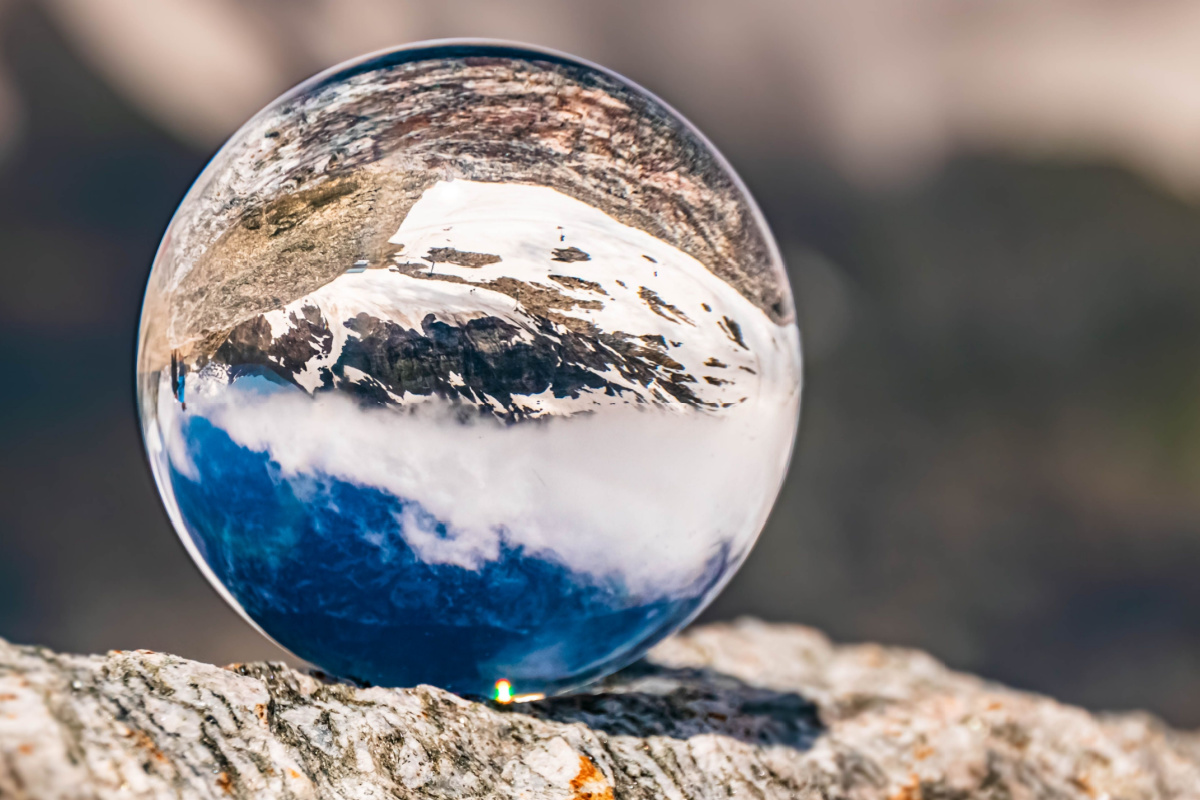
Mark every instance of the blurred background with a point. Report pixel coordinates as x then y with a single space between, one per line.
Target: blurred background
990 211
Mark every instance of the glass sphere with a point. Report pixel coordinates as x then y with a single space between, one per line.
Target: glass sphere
471 365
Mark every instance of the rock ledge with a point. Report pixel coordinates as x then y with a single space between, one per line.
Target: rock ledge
748 709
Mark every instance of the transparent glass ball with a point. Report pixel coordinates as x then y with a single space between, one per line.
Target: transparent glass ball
468 364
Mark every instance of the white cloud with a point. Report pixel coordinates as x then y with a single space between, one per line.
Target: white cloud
646 496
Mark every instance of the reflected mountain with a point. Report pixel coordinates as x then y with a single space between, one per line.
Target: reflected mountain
502 432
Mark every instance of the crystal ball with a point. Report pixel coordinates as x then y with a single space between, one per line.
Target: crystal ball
468 364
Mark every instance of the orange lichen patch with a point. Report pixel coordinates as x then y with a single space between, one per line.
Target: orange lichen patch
1082 782
224 782
143 740
260 710
7 696
922 752
590 783
293 774
909 791
25 749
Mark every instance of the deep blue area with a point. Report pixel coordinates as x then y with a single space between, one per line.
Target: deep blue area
322 566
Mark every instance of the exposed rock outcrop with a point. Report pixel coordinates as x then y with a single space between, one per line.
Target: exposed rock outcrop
747 709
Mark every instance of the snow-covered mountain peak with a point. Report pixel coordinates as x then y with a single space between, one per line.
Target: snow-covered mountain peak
529 302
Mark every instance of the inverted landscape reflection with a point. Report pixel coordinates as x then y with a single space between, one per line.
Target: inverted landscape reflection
433 412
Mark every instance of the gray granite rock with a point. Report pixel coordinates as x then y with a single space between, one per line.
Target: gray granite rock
742 710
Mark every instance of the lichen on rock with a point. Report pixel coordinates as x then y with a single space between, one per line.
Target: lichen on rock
748 709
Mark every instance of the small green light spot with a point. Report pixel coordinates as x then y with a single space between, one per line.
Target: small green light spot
503 691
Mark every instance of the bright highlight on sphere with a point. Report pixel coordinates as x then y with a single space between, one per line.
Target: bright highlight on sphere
471 365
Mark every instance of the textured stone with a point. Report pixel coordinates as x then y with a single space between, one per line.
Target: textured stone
748 709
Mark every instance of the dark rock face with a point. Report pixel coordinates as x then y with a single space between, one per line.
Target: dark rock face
484 361
486 352
252 342
568 255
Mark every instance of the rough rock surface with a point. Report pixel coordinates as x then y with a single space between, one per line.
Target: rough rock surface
749 709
